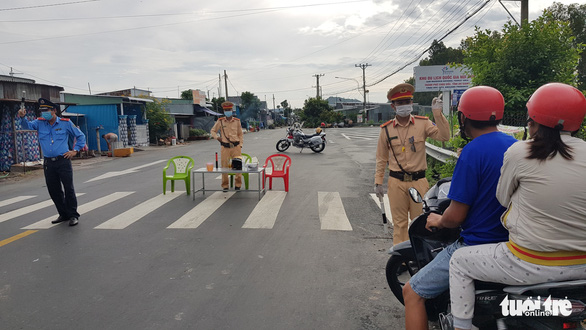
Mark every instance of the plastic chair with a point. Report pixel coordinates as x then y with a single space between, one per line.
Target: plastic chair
279 168
182 171
246 159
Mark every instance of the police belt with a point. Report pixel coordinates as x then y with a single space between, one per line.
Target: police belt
229 145
407 177
54 159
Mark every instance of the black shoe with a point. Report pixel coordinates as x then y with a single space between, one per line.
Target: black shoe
225 190
236 188
58 220
73 221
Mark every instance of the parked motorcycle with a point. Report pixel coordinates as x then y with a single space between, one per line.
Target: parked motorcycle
490 311
296 137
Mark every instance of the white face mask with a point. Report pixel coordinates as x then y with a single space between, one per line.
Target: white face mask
404 110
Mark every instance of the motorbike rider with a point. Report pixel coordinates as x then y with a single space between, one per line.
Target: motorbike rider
542 185
473 205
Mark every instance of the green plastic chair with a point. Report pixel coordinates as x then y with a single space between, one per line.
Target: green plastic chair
182 171
246 159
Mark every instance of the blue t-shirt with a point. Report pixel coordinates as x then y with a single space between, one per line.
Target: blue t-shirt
474 183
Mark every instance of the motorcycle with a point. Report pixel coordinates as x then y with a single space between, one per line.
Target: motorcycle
489 311
296 137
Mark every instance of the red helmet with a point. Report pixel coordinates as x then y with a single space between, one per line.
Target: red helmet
557 105
482 103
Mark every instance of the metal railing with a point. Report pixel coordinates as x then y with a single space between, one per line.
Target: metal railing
438 153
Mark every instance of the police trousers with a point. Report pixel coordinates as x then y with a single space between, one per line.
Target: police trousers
59 180
403 207
226 154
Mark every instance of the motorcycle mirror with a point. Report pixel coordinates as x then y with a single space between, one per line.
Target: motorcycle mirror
415 195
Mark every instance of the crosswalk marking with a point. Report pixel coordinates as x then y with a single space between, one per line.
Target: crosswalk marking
28 209
87 207
197 215
126 171
265 213
387 206
129 217
14 200
331 212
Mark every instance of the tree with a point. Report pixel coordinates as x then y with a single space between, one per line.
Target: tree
159 120
521 59
286 109
575 15
217 104
315 110
250 106
187 95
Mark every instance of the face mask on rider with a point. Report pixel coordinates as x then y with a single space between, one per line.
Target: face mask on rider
228 113
47 115
404 110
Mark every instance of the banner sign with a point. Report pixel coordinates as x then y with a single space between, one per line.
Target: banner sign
440 78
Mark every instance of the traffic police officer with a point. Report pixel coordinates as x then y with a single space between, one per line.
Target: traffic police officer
231 139
401 147
54 134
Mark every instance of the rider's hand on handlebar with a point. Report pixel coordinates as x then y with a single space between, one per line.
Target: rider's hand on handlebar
379 190
434 222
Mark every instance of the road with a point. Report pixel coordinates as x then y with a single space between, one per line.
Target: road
147 274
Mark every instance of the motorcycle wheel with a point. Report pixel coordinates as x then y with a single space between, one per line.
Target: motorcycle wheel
283 145
398 274
318 148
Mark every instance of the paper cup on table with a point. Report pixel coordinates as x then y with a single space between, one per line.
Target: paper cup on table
210 166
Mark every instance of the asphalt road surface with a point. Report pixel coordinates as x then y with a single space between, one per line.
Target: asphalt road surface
132 264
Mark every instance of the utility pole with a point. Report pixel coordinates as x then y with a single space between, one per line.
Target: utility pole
363 67
524 12
317 89
226 83
219 85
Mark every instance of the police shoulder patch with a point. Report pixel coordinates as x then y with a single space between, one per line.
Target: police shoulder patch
41 118
421 117
385 124
64 119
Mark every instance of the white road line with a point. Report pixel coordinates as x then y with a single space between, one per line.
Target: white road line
197 215
387 207
265 213
126 171
14 200
346 136
331 212
134 214
87 207
28 209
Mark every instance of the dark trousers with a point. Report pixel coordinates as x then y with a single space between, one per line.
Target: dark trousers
59 177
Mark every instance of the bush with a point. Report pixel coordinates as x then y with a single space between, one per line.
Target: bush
197 132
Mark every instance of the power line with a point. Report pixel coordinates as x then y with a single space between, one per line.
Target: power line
49 5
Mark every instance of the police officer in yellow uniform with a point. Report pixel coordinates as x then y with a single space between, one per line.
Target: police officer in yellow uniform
231 139
401 147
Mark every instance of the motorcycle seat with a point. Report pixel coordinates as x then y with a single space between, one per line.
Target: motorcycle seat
518 289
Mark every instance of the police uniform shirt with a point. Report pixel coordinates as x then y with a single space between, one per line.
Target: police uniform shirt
54 138
230 130
408 143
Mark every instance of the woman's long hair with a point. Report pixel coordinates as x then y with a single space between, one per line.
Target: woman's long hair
546 143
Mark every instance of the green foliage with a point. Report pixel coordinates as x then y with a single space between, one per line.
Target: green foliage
197 132
316 110
187 95
159 120
286 109
437 170
575 15
521 59
217 104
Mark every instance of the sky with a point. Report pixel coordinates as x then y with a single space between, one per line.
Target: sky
275 49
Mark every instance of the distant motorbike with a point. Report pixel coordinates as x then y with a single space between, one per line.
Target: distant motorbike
295 136
424 245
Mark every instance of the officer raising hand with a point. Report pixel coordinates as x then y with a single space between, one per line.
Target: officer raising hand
54 133
401 149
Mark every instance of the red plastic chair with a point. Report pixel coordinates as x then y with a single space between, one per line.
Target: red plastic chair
277 166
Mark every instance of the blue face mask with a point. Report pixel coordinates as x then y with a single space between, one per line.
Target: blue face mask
47 115
228 113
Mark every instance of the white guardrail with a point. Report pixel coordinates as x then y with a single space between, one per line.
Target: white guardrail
439 153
